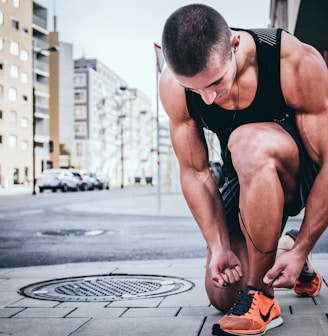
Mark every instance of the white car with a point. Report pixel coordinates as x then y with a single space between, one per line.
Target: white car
57 179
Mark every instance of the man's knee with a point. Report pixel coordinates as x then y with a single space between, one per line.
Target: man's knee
250 150
221 299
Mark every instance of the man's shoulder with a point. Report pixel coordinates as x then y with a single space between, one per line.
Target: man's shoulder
172 95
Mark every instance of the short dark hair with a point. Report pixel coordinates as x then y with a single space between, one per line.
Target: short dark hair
190 35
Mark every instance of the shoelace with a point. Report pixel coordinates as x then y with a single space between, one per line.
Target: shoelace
243 305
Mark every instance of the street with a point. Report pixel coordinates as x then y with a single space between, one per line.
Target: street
42 230
57 228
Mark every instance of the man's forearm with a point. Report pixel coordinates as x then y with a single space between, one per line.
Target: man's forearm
205 203
316 215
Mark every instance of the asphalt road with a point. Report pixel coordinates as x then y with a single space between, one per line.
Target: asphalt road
41 230
44 230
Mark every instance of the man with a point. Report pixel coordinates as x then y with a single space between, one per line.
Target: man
265 94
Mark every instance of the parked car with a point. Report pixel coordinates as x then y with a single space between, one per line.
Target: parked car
100 181
83 179
57 179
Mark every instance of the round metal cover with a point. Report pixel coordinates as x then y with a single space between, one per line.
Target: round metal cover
106 288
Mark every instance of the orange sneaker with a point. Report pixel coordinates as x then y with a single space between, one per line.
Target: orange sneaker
309 282
253 314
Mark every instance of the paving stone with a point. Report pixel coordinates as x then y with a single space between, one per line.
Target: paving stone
27 302
43 313
150 312
151 302
199 311
194 297
164 326
96 312
40 327
9 312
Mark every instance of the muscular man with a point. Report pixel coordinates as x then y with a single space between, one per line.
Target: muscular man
265 95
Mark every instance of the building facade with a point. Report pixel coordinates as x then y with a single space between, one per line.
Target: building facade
16 82
56 112
108 117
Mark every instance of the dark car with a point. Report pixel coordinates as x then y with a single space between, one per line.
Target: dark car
57 179
83 179
100 181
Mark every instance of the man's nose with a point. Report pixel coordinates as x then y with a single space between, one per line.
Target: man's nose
208 96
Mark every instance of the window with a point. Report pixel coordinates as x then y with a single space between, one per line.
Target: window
12 94
14 48
1 91
80 80
24 145
24 77
14 71
25 98
79 149
24 122
0 139
14 24
1 68
80 128
1 18
16 3
79 96
1 115
1 43
12 141
80 112
24 55
13 117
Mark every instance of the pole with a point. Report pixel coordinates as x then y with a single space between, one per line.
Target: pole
122 154
33 141
53 48
158 145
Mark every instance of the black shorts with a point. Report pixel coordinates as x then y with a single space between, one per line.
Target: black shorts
307 174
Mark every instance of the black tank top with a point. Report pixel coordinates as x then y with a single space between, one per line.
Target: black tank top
268 105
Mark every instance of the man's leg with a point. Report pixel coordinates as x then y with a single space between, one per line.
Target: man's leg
223 299
266 159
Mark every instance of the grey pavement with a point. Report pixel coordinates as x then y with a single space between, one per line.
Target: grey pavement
185 313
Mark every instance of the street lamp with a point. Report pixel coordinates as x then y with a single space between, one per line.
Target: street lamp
39 51
132 96
120 118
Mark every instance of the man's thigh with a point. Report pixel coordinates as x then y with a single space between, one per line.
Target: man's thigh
254 146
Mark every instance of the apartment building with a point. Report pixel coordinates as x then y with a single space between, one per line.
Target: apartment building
83 115
24 91
40 65
16 81
113 124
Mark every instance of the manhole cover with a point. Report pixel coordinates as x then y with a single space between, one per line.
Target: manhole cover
75 232
106 288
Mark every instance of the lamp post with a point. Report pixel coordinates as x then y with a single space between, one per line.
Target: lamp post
120 118
39 51
132 96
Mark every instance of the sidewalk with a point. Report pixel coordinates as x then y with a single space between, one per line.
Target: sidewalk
185 313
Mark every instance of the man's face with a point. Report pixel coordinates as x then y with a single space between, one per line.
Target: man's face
214 83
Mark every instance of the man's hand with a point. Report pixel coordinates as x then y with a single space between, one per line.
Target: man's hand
225 268
285 271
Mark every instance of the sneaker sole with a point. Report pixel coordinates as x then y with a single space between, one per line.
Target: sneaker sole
300 292
217 331
293 234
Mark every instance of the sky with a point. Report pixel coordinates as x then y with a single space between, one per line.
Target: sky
122 33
